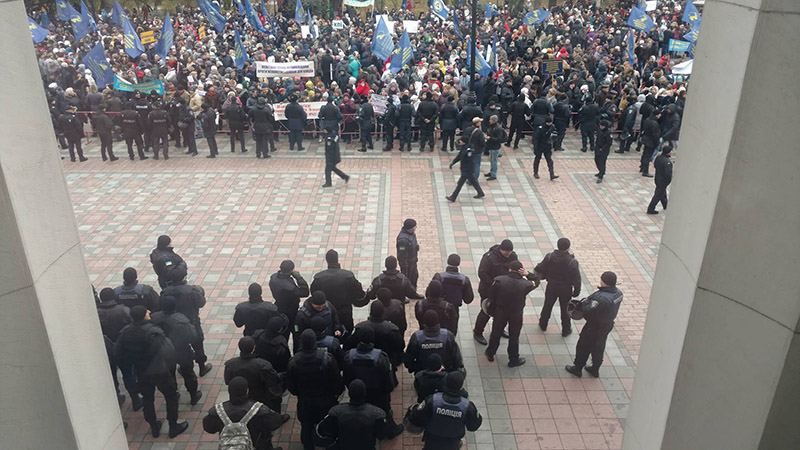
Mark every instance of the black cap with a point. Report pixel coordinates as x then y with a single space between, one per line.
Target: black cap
358 392
434 289
507 245
563 244
254 291
376 310
454 260
430 318
390 262
434 362
515 265
332 257
609 278
409 224
107 295
453 382
318 298
164 241
129 275
287 266
138 312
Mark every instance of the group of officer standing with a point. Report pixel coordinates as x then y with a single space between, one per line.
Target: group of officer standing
306 342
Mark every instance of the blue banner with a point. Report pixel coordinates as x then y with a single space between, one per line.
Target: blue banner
213 16
457 27
117 13
37 33
439 10
631 46
679 46
382 44
133 46
299 12
690 13
81 26
536 17
167 38
240 54
252 16
90 20
44 20
406 50
96 61
639 20
481 66
691 36
65 11
147 88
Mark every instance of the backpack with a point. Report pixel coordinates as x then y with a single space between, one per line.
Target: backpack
235 435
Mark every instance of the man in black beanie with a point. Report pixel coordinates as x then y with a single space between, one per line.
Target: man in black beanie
387 336
446 416
493 264
255 313
288 287
313 376
317 308
401 287
133 293
181 332
408 251
262 420
432 339
188 301
563 275
341 288
164 260
355 425
264 383
457 286
599 309
431 380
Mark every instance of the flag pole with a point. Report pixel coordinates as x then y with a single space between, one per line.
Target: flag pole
474 32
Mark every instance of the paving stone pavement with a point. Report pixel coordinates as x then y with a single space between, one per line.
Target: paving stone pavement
235 218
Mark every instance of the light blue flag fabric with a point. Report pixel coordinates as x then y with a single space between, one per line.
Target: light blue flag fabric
489 11
167 38
396 64
631 47
252 16
37 32
96 61
65 11
213 16
406 50
439 9
679 46
639 20
299 12
382 44
117 13
240 55
85 13
133 45
239 6
457 27
81 26
690 13
481 66
691 36
44 20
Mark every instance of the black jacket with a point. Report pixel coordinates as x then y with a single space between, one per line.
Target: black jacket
543 138
404 114
145 347
295 116
448 117
208 121
448 314
254 315
588 116
188 300
540 109
315 379
366 116
428 382
307 312
260 426
387 338
467 114
263 118
508 292
562 269
272 346
651 132
340 286
396 282
605 302
395 311
287 290
379 378
518 112
422 414
353 426
113 318
180 332
329 117
492 264
164 260
263 383
663 165
414 359
426 115
603 140
407 248
235 116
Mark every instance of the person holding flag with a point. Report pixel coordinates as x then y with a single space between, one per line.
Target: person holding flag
133 46
166 39
639 20
439 9
38 33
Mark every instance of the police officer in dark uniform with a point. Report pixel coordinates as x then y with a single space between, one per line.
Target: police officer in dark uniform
271 344
263 119
72 127
473 143
434 301
332 158
187 126
143 108
173 111
563 275
313 376
188 301
393 309
145 347
355 425
132 124
387 336
236 117
158 122
330 343
650 137
493 264
372 366
588 116
330 116
366 124
599 309
457 286
164 259
432 339
263 383
519 109
543 146
395 281
469 112
114 317
287 287
603 148
448 122
255 313
317 306
389 121
408 251
562 113
426 119
296 118
208 121
446 415
663 178
541 110
133 293
508 294
431 380
341 288
181 332
404 115
103 126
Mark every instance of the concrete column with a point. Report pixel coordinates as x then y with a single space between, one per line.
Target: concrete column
719 364
55 388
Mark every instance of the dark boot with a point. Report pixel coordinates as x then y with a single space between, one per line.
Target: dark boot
177 428
155 428
575 370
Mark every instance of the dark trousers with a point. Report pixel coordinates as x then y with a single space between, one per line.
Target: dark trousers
212 144
515 131
514 321
188 139
480 322
388 135
199 351
295 137
404 130
409 269
175 133
561 131
129 140
74 144
186 370
600 157
647 155
548 156
160 140
262 143
592 342
332 168
472 181
149 140
425 137
625 144
587 138
106 146
365 136
384 402
169 389
237 133
448 136
128 378
562 293
660 195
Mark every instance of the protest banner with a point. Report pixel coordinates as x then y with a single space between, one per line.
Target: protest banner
266 69
311 109
147 37
412 26
378 103
147 87
337 24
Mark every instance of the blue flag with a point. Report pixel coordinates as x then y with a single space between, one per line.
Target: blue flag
85 13
457 27
96 61
81 26
312 25
133 45
489 11
396 64
299 12
406 50
166 39
239 6
439 10
691 36
252 16
631 47
481 66
213 16
117 13
65 11
690 13
264 11
639 20
493 59
37 33
382 44
536 17
240 55
678 46
44 20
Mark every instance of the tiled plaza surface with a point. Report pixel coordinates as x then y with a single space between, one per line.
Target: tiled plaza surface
235 218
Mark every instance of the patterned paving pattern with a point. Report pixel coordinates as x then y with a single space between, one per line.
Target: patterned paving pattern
235 218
